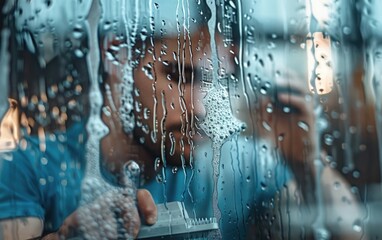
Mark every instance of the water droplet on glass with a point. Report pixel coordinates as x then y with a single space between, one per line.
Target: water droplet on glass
264 148
328 139
172 142
286 109
333 165
269 174
148 72
280 137
138 106
158 164
219 27
269 108
63 166
44 161
263 90
64 182
232 4
337 185
303 125
79 53
133 171
107 25
354 190
146 113
42 181
145 128
78 31
346 30
356 174
271 45
357 225
266 126
159 178
143 34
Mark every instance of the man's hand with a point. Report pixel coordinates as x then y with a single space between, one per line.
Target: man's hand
21 228
110 216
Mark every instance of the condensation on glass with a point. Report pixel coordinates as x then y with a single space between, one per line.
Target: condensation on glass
262 114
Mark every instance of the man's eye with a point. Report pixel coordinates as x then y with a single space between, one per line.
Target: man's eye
187 74
171 71
177 73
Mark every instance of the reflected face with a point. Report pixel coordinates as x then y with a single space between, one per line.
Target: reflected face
168 96
288 120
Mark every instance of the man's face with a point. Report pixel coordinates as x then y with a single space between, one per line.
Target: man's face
171 79
283 110
287 120
169 92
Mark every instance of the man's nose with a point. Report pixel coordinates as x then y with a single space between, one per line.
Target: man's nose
194 99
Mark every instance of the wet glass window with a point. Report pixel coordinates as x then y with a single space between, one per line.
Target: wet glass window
189 119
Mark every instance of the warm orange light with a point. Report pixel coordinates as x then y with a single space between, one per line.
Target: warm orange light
320 71
9 128
318 48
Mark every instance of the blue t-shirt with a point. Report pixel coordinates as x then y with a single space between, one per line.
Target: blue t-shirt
250 174
47 184
43 184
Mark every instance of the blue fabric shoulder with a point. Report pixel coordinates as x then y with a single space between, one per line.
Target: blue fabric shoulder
43 184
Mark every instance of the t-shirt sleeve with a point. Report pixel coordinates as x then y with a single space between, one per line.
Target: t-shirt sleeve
20 194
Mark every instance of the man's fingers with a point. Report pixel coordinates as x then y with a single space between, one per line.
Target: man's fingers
146 206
